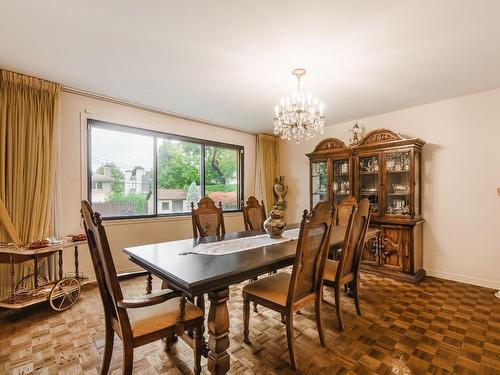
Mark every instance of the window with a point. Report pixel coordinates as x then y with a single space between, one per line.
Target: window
221 175
141 173
179 173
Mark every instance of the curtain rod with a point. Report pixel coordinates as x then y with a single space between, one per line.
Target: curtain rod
110 99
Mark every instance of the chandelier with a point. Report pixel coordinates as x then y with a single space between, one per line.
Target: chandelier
299 117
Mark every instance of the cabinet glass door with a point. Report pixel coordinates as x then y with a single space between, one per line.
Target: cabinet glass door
319 176
369 180
398 183
340 186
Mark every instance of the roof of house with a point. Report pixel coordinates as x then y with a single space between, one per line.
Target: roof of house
224 197
171 194
101 177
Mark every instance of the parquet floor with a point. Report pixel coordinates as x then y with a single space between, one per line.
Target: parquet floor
437 327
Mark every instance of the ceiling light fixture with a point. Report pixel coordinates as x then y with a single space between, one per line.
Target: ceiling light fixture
299 117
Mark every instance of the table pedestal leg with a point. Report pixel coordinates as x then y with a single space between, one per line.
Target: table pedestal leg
218 331
200 302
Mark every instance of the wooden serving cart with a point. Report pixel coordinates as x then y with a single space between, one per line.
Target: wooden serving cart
34 288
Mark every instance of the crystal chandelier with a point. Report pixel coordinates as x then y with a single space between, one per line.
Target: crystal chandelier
299 117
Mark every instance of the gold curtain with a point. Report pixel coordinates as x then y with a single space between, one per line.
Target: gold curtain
28 148
267 168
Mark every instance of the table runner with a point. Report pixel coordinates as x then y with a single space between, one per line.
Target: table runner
242 244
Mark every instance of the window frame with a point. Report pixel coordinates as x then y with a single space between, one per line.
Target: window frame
155 134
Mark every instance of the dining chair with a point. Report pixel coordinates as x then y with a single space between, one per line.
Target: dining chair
141 320
346 269
343 210
208 220
286 293
254 214
342 213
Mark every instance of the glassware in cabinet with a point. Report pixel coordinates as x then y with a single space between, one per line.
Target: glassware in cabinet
341 180
398 183
319 181
369 180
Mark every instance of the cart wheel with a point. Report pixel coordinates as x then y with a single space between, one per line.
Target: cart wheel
64 294
28 282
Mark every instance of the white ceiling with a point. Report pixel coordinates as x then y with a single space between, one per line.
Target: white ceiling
229 61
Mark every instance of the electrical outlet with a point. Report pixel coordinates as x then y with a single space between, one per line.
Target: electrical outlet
498 191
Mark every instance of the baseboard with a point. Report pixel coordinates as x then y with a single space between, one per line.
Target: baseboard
122 274
464 279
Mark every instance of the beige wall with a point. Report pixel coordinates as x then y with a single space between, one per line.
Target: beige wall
74 110
461 172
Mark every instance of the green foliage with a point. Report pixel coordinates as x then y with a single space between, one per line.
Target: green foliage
178 165
117 182
140 201
221 165
220 188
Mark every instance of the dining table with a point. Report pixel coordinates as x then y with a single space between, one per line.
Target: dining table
197 274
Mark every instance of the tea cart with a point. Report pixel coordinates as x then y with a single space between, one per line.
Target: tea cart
35 287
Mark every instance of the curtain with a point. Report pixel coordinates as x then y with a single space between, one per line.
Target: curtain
267 168
29 135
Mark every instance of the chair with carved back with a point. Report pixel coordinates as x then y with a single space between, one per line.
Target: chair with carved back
137 321
254 214
208 219
346 269
343 210
342 213
287 293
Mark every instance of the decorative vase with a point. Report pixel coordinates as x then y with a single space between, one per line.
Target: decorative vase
275 224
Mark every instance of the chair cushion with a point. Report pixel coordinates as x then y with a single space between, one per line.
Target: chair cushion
272 288
145 320
330 270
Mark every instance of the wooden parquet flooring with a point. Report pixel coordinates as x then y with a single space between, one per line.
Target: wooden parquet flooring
436 327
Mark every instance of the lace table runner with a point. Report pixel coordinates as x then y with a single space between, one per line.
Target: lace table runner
242 244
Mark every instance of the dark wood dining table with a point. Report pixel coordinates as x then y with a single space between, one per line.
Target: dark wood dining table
197 274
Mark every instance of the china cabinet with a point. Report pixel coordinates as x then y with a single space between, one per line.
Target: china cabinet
385 168
331 160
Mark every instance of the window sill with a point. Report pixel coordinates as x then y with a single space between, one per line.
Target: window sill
160 219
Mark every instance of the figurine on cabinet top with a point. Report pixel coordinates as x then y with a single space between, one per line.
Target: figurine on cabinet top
280 190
